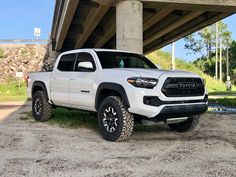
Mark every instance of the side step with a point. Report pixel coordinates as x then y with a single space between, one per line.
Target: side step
176 120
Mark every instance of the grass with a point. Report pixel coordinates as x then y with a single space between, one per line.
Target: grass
9 91
227 101
163 59
68 118
74 119
223 93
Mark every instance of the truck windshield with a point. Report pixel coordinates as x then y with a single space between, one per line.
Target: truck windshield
123 60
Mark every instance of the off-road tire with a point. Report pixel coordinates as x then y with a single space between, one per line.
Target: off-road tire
185 126
125 119
46 107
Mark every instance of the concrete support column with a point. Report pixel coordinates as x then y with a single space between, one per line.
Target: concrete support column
129 26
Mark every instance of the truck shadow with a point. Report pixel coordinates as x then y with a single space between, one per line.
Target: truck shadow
74 119
10 109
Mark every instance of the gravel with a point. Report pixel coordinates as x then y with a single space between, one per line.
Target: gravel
28 148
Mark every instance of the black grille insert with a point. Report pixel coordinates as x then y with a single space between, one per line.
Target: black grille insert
183 87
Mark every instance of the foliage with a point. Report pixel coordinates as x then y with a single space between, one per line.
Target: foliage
232 59
204 42
68 118
193 43
205 39
72 118
163 59
9 91
227 101
208 65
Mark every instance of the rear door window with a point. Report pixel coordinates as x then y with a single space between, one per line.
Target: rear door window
66 62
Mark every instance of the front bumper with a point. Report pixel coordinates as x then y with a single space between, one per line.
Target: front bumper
180 111
152 106
156 102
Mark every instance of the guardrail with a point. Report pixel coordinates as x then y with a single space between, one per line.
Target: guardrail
23 41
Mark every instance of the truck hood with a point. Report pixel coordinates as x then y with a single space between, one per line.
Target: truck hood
156 73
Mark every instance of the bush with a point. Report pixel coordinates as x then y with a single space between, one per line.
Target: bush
164 60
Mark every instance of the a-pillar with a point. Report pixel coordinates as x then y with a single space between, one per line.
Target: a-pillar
129 26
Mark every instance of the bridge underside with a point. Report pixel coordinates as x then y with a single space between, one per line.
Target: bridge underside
141 26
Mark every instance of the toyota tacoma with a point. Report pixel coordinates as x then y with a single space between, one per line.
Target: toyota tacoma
121 88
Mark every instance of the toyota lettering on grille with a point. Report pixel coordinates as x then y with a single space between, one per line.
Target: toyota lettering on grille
187 85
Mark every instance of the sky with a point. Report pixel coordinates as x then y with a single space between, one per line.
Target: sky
18 18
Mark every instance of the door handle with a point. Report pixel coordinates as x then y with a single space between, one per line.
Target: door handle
84 91
72 79
54 78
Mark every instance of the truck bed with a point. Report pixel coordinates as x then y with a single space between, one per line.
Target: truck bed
44 77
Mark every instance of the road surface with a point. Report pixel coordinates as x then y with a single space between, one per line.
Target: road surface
28 148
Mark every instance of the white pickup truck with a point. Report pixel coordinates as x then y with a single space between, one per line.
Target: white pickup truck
120 87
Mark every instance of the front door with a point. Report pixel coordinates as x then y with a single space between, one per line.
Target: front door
82 92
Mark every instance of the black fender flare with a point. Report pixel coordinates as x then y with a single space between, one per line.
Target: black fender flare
114 87
42 85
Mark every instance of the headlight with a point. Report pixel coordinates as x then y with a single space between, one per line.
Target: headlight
143 82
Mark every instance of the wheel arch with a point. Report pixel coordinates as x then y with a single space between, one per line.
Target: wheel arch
39 86
110 89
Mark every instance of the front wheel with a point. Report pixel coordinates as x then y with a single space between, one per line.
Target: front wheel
186 125
114 120
41 109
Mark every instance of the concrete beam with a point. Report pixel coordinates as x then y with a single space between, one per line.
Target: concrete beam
198 2
56 17
109 32
77 28
106 2
157 17
129 26
189 16
90 23
172 38
65 21
109 29
89 3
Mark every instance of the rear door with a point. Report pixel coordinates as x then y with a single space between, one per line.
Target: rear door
60 79
82 92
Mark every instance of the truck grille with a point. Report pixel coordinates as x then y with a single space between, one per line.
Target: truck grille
183 87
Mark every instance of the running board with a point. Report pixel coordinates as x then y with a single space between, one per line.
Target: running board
176 120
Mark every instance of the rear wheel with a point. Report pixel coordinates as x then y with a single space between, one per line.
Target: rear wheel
41 109
114 120
186 125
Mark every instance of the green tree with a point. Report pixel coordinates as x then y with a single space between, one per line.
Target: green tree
232 60
204 40
193 43
208 39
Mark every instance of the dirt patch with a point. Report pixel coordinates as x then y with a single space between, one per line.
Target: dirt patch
35 149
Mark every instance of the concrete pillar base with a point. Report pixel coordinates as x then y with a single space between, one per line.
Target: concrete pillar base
129 26
49 58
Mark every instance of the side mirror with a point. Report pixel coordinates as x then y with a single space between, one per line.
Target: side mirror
85 66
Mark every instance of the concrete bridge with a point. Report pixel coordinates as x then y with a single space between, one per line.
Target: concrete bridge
136 25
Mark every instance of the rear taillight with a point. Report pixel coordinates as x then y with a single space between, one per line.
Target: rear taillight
26 80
